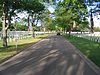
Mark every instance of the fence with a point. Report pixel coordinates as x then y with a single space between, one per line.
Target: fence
90 36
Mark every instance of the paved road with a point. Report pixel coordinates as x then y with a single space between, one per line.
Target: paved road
51 56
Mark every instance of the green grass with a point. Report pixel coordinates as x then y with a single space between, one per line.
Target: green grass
11 49
89 48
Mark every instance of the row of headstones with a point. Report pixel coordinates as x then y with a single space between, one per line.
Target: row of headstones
17 35
91 37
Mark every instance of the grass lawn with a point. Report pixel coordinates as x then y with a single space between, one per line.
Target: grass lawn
11 49
89 48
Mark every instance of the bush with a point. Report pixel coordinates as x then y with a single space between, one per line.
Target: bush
96 29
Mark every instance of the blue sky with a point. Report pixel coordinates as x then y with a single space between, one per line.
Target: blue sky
51 9
96 17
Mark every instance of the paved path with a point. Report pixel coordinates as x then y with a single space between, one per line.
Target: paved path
51 56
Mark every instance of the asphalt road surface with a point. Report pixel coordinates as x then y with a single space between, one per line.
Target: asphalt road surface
51 56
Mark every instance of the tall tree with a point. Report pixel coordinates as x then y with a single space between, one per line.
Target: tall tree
8 8
96 5
69 12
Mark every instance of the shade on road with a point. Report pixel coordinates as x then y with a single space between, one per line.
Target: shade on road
51 56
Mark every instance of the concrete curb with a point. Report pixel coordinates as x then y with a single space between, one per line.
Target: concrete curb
89 62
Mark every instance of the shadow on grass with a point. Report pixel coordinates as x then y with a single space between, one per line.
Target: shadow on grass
14 46
89 48
12 50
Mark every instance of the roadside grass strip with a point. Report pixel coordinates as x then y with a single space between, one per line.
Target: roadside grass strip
89 48
21 44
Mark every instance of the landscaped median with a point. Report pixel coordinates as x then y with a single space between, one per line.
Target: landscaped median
89 48
21 44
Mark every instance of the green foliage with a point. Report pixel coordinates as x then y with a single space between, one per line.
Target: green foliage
0 26
36 28
20 27
96 29
46 20
70 11
11 27
32 6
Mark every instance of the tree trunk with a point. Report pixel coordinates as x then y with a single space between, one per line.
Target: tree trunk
33 20
92 23
28 23
33 30
9 17
37 21
4 25
70 31
64 30
81 31
4 31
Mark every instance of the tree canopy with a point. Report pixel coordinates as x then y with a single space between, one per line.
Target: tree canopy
9 7
69 13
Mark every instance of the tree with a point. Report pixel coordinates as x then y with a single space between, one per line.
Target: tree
96 8
0 26
8 8
33 8
46 20
69 12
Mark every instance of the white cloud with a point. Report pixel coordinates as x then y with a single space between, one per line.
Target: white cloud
96 20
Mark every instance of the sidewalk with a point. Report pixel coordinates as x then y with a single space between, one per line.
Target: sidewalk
51 56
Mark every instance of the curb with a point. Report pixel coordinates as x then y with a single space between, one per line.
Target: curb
92 65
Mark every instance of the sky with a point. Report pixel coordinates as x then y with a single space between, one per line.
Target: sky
96 21
51 9
96 18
